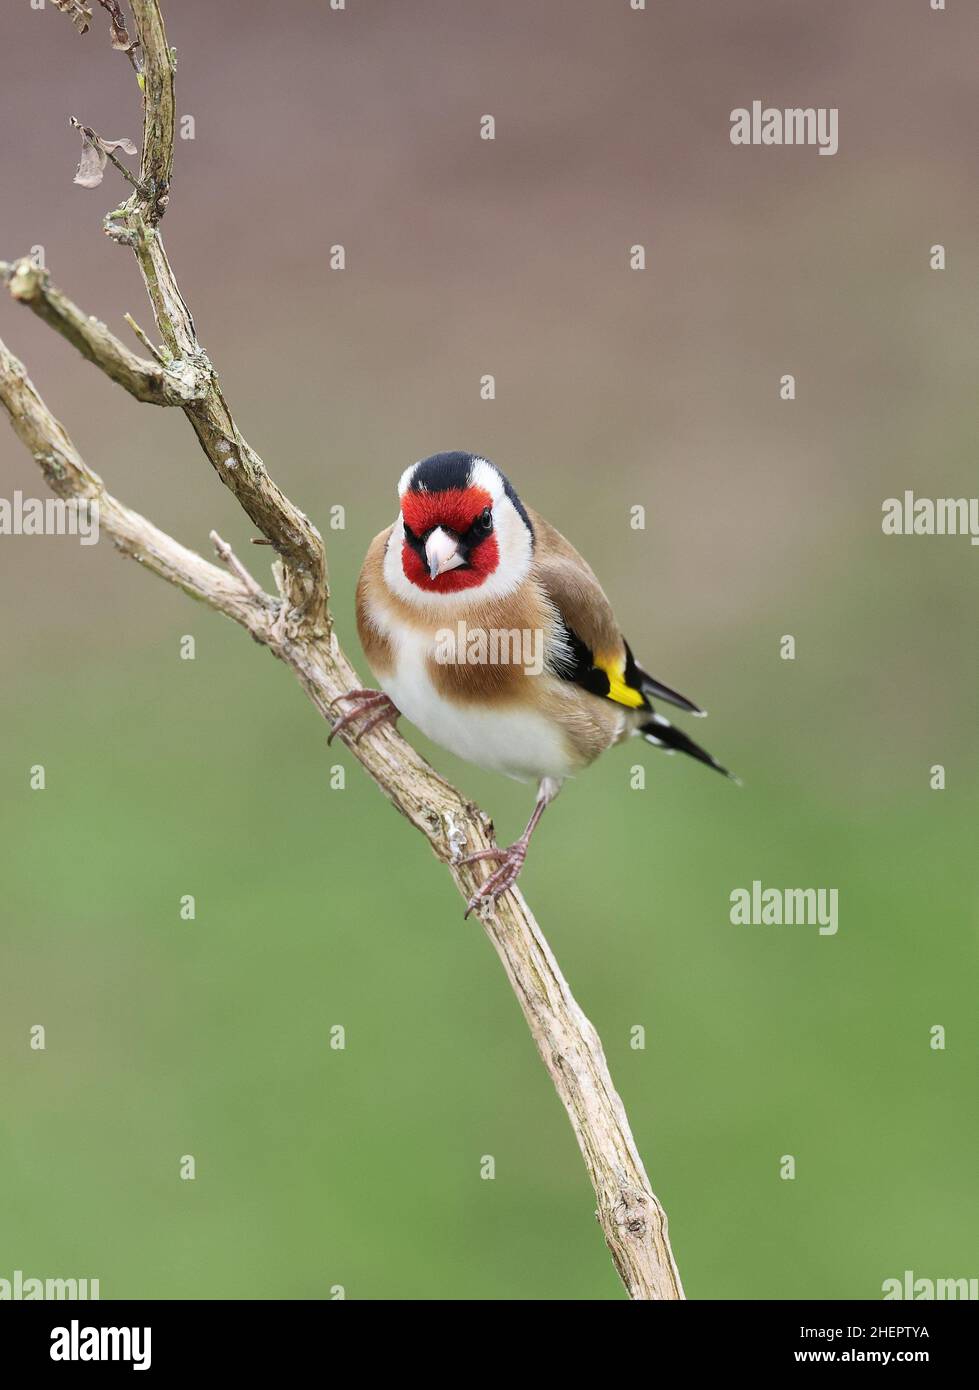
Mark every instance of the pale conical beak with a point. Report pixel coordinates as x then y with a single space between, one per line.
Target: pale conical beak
442 553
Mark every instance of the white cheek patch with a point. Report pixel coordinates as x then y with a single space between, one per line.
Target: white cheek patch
394 575
515 545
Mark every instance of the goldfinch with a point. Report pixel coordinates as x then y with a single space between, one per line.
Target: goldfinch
488 630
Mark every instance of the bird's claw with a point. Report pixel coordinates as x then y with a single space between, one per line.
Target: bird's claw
512 861
374 703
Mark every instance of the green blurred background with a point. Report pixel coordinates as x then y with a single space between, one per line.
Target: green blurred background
360 1168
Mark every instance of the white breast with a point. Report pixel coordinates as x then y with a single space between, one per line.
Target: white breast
519 743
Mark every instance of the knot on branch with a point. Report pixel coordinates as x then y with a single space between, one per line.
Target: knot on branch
629 1212
26 280
188 379
455 835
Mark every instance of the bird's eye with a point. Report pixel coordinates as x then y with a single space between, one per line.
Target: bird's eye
484 522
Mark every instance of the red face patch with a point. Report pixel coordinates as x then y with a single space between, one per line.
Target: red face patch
455 510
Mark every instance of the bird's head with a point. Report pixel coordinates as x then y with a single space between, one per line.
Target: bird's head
461 528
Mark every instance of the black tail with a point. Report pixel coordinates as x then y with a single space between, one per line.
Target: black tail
665 735
641 680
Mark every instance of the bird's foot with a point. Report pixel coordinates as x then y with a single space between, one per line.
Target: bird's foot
378 707
511 862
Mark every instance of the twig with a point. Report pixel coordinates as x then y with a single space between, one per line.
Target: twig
144 338
298 631
173 383
229 557
69 477
120 34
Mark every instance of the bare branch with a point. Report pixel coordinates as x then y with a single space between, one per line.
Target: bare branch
158 110
239 467
69 477
297 629
175 383
189 381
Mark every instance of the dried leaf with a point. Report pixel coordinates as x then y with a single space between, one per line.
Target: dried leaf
94 156
91 165
117 25
126 146
79 13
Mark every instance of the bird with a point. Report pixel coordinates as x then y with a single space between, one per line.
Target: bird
488 631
